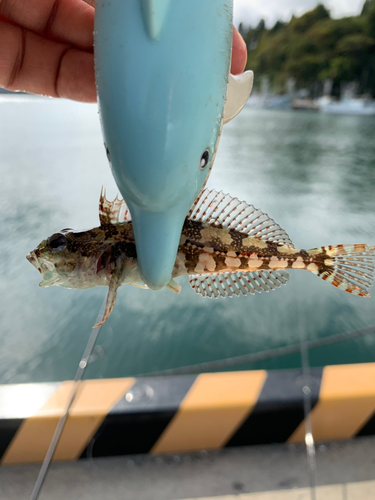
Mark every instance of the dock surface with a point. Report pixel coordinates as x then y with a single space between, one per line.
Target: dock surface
345 471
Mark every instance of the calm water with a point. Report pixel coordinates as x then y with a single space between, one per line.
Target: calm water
314 174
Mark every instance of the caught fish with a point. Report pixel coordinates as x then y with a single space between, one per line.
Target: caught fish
227 248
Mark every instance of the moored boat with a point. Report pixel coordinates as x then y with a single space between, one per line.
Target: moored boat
351 106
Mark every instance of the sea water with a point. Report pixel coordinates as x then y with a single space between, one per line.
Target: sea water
314 174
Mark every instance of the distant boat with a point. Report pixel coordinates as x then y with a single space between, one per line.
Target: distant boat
305 105
278 102
350 106
257 101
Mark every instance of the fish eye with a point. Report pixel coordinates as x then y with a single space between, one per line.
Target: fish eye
204 159
56 242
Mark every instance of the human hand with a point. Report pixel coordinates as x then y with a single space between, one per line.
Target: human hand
46 47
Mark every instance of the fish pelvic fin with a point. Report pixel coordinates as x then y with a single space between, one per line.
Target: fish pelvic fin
115 282
111 299
348 267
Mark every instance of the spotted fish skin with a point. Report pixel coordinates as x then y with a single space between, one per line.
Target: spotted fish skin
227 248
205 249
90 256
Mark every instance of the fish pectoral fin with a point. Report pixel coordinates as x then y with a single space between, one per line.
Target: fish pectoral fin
115 282
173 286
229 284
238 91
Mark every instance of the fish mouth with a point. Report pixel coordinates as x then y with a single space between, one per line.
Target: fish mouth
45 268
32 258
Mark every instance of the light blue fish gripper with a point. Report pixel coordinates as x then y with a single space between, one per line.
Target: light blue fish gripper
162 71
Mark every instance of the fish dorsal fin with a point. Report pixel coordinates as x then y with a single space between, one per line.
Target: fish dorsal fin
229 284
219 209
238 91
113 212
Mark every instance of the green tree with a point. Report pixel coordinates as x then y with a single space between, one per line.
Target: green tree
305 22
279 25
342 69
366 7
370 21
356 45
306 70
314 47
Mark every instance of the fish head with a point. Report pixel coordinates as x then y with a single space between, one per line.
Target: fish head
81 259
162 72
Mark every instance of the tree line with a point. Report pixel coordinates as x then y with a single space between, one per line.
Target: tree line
313 48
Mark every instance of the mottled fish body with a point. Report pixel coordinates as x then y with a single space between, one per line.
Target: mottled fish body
228 251
227 247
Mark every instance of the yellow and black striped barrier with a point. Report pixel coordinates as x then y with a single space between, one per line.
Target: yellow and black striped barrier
185 413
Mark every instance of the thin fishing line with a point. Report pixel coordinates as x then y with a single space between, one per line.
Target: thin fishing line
260 356
306 391
61 423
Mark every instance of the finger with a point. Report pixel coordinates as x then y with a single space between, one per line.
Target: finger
67 21
239 50
239 53
76 79
31 63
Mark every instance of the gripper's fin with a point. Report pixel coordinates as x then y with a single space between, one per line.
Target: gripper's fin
154 16
238 91
173 286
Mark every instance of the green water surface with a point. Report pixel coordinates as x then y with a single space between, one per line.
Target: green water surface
313 173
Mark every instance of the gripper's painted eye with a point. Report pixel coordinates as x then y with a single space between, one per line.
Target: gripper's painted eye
107 153
204 159
56 242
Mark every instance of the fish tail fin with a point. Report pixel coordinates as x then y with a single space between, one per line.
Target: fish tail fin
349 267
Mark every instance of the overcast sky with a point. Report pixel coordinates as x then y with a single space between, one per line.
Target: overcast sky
251 11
